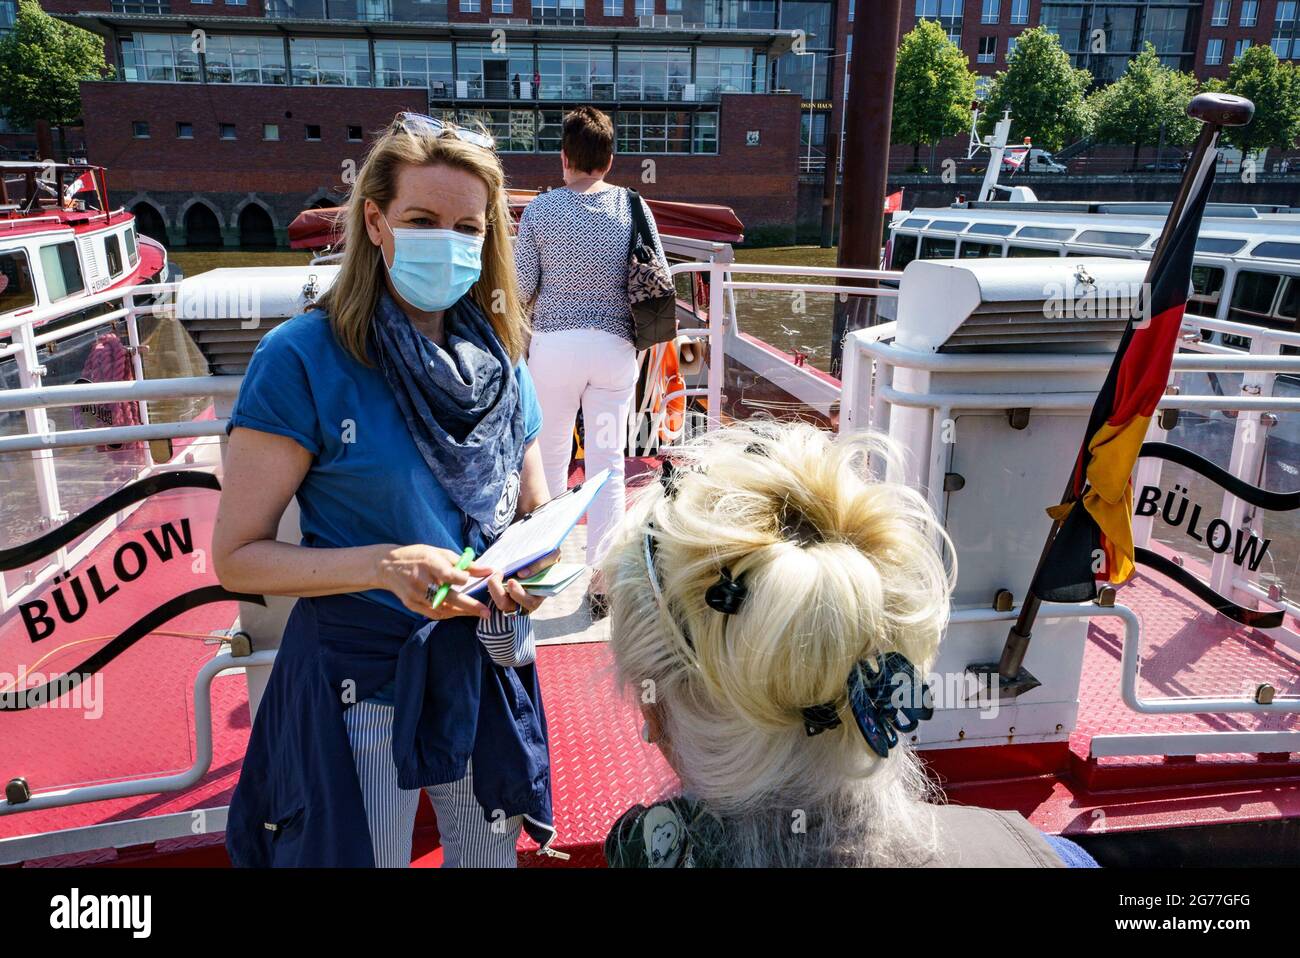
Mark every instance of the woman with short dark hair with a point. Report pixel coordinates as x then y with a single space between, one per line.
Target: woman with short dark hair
571 257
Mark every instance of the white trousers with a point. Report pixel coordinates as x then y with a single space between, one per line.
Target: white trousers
469 840
596 371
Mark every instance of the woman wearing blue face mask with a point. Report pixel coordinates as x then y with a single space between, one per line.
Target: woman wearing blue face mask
401 416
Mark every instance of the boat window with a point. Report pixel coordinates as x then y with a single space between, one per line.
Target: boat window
1044 232
1253 294
1275 250
915 224
973 250
132 254
1107 238
951 226
933 248
993 229
904 250
62 271
1207 289
1288 307
16 290
1014 251
113 254
1218 244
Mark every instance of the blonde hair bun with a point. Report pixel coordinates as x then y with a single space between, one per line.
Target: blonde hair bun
838 567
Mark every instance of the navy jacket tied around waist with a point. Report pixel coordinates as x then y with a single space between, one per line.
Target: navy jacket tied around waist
298 802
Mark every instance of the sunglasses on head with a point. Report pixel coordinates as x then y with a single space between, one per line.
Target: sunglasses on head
418 123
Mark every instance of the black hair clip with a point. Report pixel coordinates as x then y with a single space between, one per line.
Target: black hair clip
889 701
821 718
884 703
726 594
667 473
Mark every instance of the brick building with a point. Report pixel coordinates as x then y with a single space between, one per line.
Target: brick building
246 111
227 119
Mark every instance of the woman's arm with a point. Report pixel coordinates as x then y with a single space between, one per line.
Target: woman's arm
262 472
528 265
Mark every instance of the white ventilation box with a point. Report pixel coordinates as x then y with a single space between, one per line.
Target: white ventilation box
986 384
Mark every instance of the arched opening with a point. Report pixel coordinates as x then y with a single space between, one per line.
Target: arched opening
201 226
149 222
255 228
324 203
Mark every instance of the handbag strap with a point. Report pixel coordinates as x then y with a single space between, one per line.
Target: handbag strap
640 228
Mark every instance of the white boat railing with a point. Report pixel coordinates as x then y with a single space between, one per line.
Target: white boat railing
867 404
1260 367
646 432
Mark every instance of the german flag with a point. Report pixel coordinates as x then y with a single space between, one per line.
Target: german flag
1095 538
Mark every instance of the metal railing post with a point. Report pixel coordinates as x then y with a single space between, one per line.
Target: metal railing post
717 358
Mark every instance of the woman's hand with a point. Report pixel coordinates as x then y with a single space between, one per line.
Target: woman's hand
410 572
510 595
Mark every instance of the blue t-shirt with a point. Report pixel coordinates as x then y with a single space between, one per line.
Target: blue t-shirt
367 483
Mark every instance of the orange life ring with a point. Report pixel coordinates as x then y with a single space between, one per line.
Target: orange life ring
670 381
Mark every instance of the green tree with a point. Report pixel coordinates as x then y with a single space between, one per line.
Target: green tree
1146 105
1274 88
42 64
1044 92
933 88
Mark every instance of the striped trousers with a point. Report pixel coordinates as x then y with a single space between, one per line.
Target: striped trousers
469 839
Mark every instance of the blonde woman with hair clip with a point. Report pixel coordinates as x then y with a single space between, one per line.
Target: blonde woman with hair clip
784 606
400 414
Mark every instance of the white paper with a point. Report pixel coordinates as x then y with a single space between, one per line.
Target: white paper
541 533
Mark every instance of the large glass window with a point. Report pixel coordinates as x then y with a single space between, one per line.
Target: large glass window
653 131
1214 51
1249 13
1286 42
568 13
729 14
1167 28
706 133
575 72
319 62
62 271
1222 10
245 60
947 12
160 58
727 70
653 73
482 73
989 11
414 63
813 17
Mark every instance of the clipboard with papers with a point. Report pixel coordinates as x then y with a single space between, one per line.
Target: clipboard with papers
538 533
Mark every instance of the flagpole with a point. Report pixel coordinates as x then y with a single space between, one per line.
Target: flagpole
1215 111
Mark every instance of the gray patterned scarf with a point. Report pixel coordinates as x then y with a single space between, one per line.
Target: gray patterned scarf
461 405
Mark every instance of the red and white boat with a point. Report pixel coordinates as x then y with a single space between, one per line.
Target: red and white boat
1161 730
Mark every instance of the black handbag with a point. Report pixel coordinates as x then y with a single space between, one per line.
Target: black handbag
650 289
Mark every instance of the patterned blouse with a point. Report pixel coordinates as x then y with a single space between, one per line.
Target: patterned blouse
571 252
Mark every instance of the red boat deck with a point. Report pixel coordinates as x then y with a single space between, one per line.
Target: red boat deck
600 764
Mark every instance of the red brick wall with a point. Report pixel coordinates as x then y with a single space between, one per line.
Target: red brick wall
247 164
759 182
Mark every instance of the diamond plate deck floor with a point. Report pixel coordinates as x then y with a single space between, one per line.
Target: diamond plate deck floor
601 767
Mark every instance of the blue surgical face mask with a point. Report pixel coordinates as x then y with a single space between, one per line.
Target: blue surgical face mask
432 269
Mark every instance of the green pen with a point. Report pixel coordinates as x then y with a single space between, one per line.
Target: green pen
466 558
